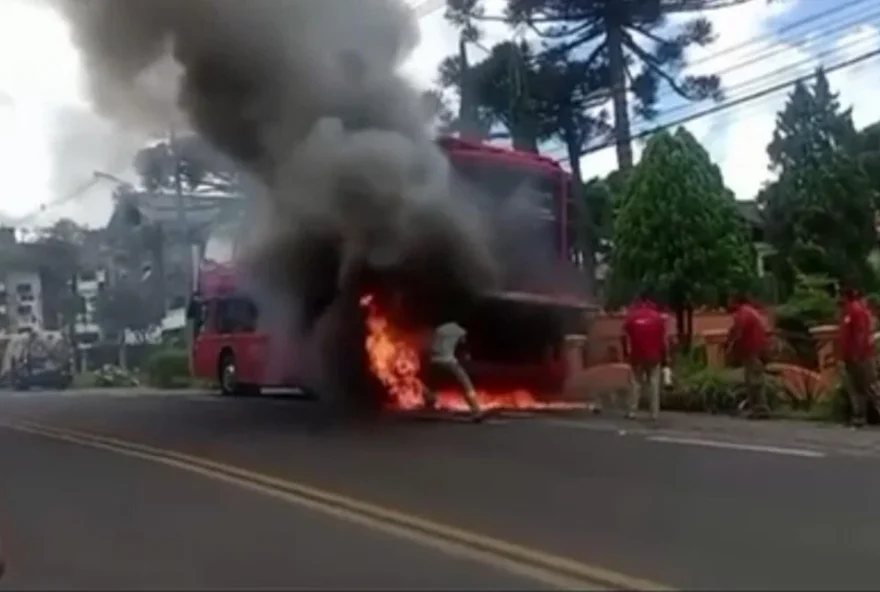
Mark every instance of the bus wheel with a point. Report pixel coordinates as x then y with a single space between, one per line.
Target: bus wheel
227 375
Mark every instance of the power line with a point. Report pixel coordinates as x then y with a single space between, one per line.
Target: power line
759 39
742 105
74 195
742 112
766 77
773 52
842 22
739 101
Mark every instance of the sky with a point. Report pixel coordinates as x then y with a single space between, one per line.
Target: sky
51 143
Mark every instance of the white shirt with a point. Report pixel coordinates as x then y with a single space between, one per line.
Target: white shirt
446 338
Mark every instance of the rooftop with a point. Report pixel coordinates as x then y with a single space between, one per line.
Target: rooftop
750 212
162 208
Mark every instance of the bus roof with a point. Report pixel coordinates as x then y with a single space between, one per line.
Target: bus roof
216 278
487 151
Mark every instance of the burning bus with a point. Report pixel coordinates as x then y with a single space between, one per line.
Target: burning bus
516 334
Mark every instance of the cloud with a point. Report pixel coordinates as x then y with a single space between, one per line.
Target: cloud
50 143
737 137
439 39
80 143
860 84
745 66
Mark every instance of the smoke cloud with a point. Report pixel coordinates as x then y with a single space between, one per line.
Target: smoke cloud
80 143
306 96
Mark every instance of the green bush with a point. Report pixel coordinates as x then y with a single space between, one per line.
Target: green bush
169 368
811 304
874 302
704 389
111 376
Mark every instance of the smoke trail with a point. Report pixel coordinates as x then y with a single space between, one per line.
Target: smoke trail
306 96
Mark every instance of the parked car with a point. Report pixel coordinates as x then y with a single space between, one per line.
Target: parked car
39 359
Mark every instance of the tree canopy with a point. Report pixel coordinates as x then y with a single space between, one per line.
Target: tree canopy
631 40
819 214
677 233
128 305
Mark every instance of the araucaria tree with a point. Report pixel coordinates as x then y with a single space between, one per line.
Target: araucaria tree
677 232
634 40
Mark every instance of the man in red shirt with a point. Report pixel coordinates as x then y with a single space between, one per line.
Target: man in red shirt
856 342
645 345
747 344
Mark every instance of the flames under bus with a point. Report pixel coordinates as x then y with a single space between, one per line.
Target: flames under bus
515 336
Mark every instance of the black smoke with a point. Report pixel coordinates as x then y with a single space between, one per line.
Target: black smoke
306 96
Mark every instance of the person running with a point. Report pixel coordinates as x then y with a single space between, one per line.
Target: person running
446 339
645 346
856 342
747 342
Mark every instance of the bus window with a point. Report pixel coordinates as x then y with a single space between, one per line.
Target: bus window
235 315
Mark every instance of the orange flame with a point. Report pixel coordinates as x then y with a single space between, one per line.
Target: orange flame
394 359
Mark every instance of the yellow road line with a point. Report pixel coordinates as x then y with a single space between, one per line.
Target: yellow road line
556 571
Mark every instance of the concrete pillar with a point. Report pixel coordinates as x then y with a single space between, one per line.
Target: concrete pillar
715 353
575 366
825 337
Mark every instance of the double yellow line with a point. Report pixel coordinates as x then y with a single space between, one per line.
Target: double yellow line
551 570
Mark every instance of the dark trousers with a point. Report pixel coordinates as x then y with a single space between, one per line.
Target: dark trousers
753 372
862 388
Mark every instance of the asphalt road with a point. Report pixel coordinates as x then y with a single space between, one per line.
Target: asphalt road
78 519
687 513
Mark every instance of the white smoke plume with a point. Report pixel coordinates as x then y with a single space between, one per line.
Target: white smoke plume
306 95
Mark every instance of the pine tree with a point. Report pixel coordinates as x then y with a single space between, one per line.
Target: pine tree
820 213
810 128
635 40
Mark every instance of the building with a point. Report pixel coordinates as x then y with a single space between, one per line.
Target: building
165 244
24 297
21 286
88 286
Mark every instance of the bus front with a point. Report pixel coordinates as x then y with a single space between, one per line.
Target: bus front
516 334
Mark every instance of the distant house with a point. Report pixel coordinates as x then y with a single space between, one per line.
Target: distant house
160 210
22 306
200 211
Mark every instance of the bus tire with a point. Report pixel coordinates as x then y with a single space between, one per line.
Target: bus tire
227 378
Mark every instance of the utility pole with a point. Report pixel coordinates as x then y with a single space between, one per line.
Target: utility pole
181 209
468 125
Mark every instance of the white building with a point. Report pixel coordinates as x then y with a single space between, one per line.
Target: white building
88 287
24 300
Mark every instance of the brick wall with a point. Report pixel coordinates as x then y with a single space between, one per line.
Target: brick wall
604 344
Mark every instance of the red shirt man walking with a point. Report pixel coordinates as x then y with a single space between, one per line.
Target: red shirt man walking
747 342
645 345
856 342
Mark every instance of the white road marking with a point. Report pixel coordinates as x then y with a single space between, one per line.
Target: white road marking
801 452
589 426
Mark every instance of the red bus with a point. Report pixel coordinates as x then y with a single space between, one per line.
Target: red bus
230 348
